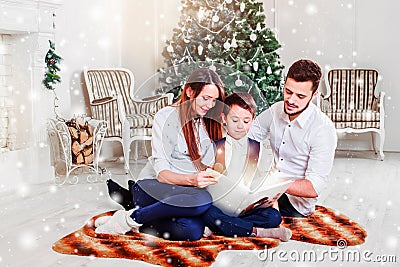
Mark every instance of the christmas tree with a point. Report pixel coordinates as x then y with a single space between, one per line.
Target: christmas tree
232 33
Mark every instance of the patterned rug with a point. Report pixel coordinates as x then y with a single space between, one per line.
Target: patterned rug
323 227
326 227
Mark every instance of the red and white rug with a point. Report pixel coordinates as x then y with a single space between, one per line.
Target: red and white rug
325 227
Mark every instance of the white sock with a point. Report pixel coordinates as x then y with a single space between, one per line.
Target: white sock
207 232
281 233
101 220
120 223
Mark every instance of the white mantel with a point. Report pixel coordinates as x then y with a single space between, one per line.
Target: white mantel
27 15
29 25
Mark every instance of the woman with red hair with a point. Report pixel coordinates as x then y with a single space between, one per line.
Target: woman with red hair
170 196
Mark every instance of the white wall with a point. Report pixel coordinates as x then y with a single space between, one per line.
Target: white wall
147 24
131 33
330 31
88 34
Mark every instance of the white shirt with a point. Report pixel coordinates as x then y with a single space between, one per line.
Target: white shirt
236 157
169 148
240 150
303 148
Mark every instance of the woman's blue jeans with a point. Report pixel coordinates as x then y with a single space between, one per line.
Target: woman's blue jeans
170 211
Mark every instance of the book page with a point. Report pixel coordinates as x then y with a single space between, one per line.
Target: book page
232 196
264 195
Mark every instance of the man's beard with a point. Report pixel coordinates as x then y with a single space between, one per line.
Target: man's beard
297 112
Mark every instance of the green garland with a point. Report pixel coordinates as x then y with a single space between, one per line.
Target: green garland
51 78
52 59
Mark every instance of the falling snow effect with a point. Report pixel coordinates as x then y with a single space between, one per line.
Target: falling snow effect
36 215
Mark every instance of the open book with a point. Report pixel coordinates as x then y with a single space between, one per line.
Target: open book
234 198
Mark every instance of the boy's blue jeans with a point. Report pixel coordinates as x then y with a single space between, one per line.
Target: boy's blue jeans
220 223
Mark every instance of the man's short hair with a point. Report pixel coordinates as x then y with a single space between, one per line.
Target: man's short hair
305 70
243 100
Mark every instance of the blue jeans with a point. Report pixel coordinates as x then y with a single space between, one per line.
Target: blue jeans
170 211
220 223
286 208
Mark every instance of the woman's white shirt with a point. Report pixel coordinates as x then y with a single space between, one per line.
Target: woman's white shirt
169 148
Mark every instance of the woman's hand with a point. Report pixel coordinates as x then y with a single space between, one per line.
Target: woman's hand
199 179
202 179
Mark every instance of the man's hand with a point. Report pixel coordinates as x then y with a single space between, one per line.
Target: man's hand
302 188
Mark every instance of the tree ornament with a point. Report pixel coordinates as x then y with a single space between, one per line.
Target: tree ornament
255 66
168 80
209 46
269 70
170 48
200 14
227 45
253 37
233 43
238 82
258 28
242 6
200 49
215 18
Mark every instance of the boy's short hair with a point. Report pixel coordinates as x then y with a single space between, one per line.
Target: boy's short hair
243 100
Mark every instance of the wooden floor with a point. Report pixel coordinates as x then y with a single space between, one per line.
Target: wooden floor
361 187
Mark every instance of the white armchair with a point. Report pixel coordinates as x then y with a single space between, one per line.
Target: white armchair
353 103
111 99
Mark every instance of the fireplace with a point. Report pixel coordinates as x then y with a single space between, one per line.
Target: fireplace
26 26
7 107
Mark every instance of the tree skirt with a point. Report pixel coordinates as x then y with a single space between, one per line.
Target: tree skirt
323 227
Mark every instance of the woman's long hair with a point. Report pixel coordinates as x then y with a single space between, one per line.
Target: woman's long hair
212 120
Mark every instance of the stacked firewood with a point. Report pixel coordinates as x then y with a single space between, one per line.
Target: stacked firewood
81 141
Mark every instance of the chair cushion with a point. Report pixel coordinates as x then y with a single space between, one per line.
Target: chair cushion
356 124
140 120
354 118
140 132
353 115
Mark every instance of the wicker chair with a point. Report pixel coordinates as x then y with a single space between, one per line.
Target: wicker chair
353 104
111 99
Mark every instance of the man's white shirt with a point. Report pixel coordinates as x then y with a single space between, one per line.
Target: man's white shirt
303 148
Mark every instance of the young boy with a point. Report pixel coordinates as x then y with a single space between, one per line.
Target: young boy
237 157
